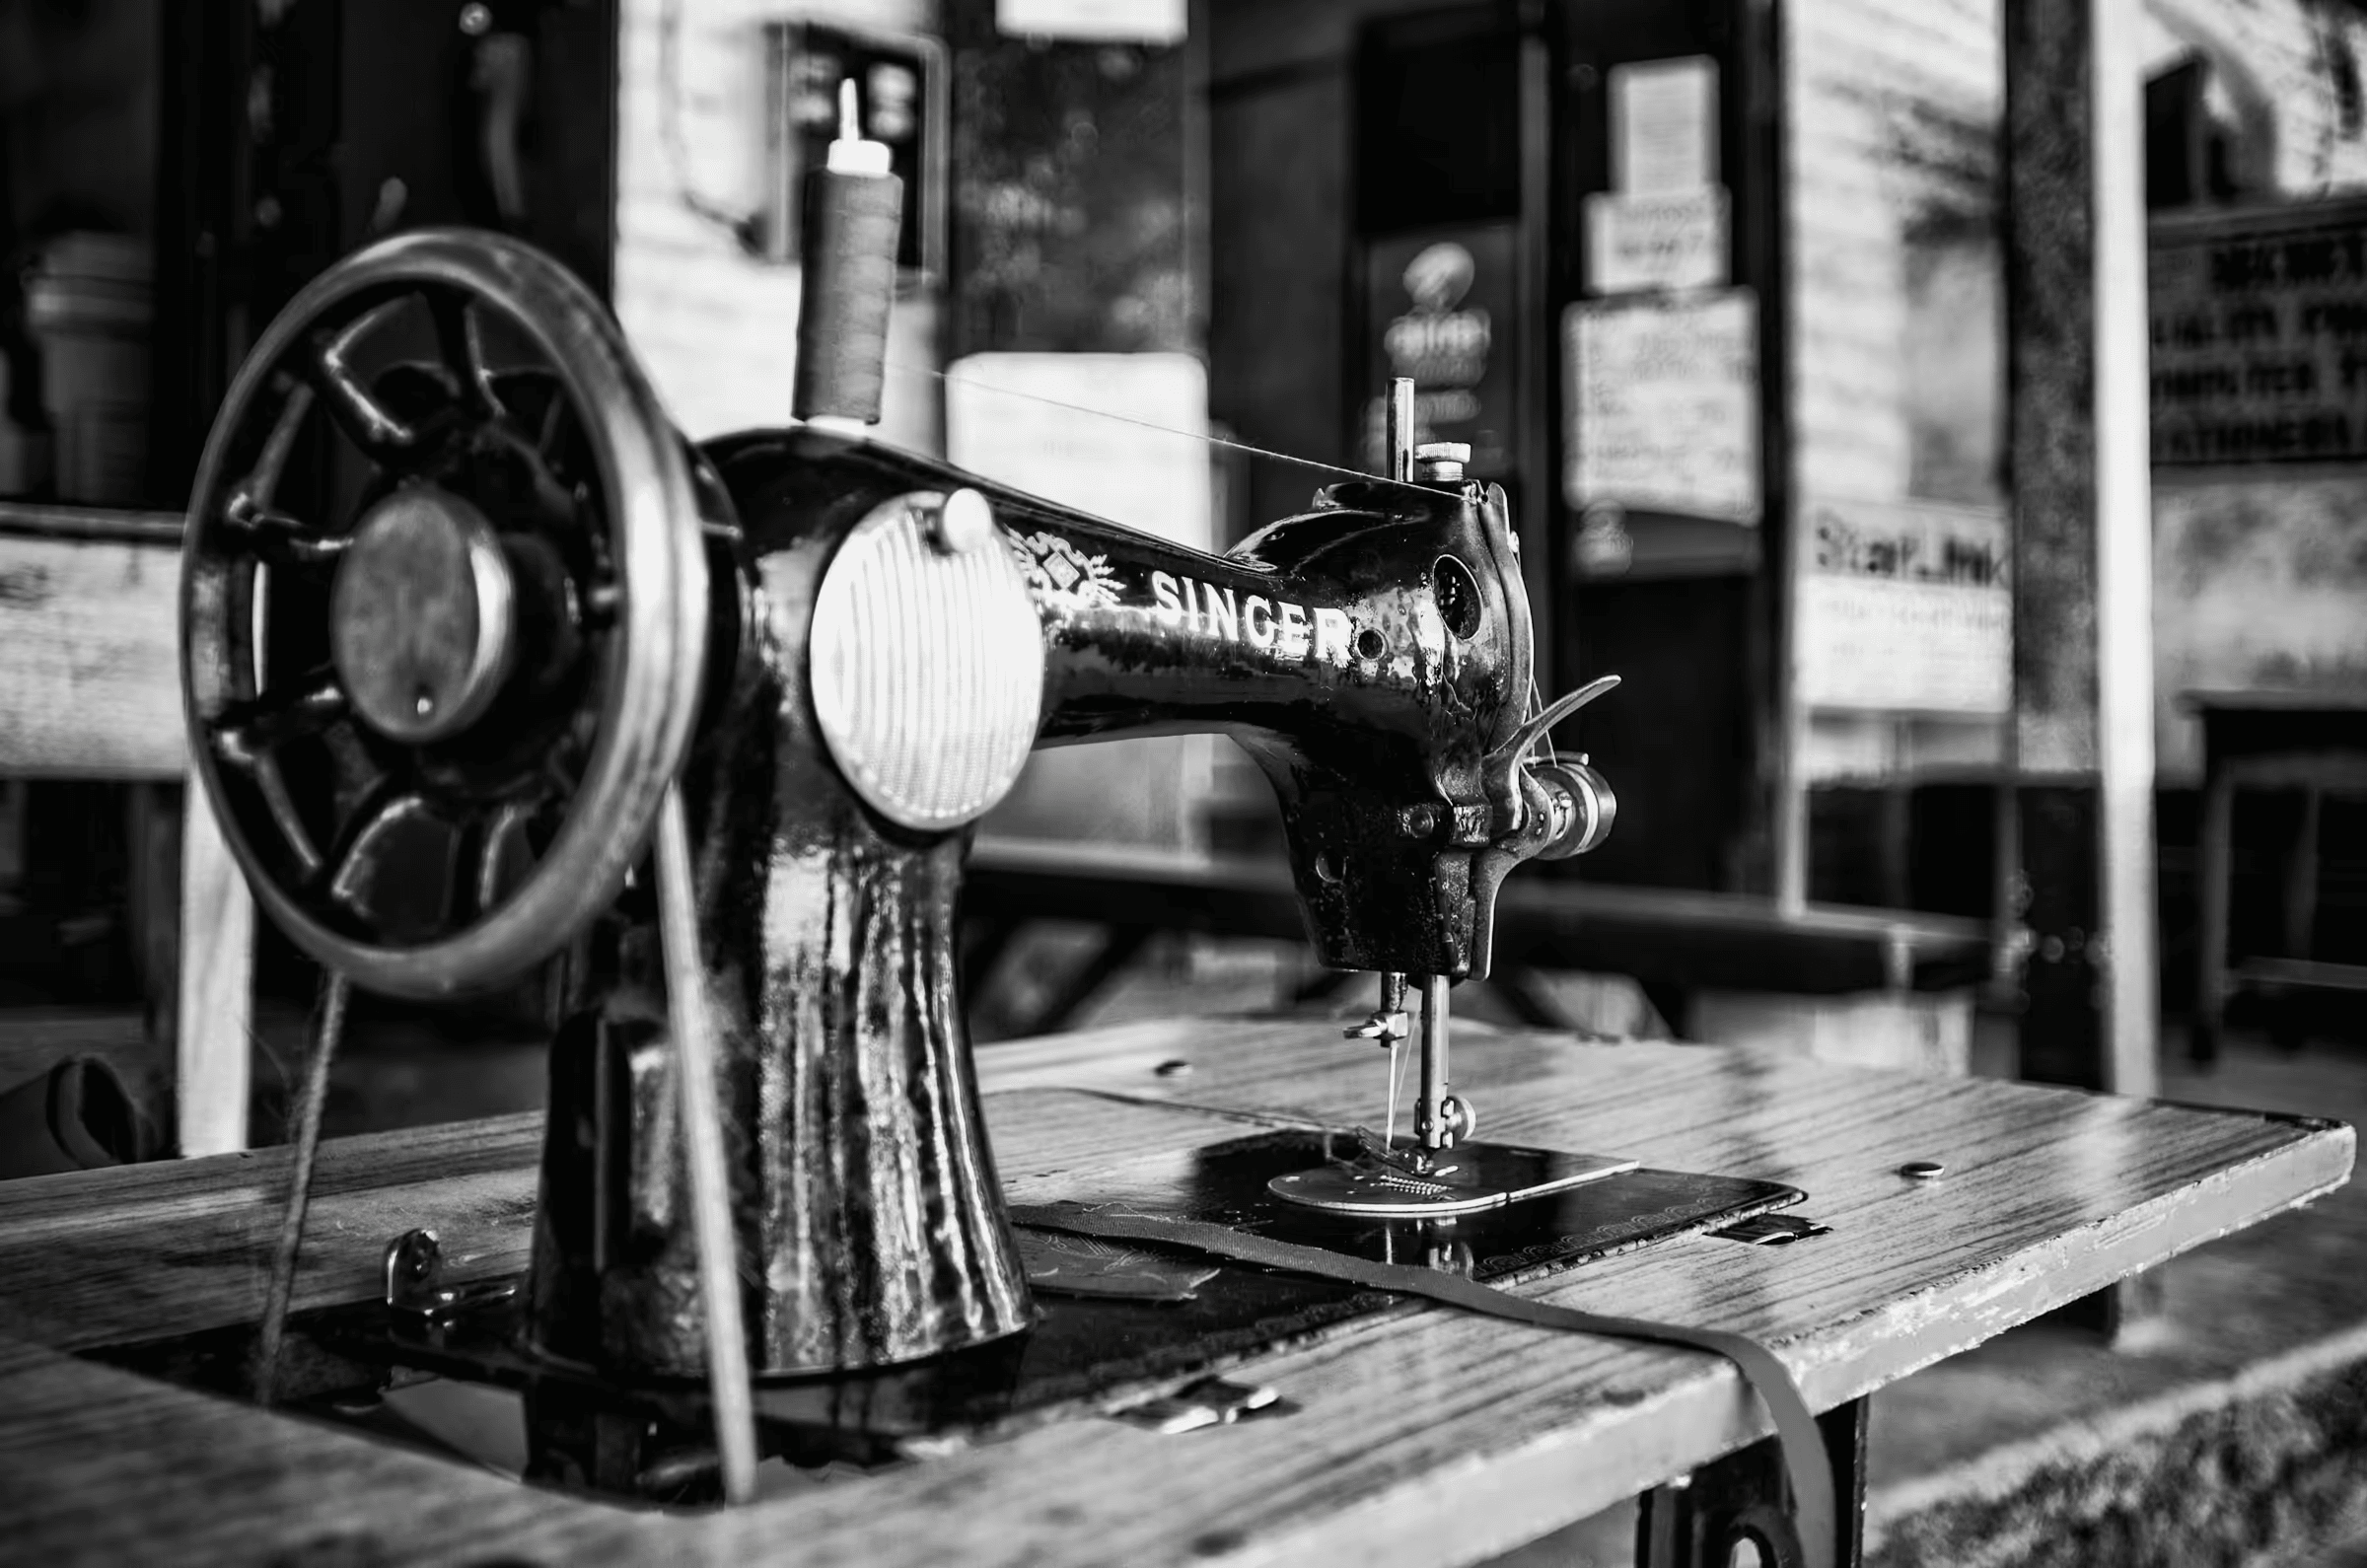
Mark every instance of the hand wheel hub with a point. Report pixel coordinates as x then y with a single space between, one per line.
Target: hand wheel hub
420 619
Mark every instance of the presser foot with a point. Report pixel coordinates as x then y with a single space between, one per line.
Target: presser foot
1439 1171
1408 1182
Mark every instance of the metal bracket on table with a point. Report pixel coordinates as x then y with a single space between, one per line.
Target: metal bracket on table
1211 1402
1773 1229
1739 1506
415 1280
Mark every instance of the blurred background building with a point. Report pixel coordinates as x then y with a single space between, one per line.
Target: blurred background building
1716 290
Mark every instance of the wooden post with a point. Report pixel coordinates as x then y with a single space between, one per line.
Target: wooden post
2075 281
2125 559
2082 498
1539 499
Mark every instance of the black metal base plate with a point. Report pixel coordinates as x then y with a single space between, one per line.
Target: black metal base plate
1113 1319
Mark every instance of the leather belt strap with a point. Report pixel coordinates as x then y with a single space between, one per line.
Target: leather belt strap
1796 1432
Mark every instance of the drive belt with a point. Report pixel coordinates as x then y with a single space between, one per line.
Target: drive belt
1802 1444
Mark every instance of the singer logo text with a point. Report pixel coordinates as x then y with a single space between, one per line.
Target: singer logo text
1273 626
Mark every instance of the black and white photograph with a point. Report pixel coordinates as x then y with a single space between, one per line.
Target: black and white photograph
1183 783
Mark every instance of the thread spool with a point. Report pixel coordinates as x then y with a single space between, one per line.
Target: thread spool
854 216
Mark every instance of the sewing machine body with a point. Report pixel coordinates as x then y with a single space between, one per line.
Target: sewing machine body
868 1208
443 722
540 618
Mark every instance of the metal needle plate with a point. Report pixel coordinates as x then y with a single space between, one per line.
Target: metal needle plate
1464 1179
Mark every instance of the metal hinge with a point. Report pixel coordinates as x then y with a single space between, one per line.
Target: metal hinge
1211 1402
1773 1229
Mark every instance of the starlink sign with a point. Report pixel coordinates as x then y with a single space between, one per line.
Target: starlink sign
1272 626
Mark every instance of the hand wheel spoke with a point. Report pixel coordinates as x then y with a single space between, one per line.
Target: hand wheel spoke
278 537
351 873
292 832
504 855
368 423
463 348
291 710
566 447
262 481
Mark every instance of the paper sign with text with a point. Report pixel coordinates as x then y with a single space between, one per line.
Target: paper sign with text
1676 241
1662 405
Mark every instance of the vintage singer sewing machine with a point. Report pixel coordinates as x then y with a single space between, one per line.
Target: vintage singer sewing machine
461 613
489 672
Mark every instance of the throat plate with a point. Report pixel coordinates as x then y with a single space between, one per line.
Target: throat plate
1460 1180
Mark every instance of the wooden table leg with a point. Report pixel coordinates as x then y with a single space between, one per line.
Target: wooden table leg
1698 1522
2215 873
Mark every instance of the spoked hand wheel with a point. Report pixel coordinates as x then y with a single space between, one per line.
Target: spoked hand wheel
445 611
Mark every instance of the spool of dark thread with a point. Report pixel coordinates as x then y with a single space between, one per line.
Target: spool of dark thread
853 223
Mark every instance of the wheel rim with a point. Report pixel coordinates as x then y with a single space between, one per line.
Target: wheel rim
546 797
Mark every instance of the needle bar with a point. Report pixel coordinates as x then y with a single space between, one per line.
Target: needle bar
1398 443
1389 1121
1429 1118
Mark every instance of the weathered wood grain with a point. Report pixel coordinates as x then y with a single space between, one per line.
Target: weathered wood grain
79 1432
1426 1438
88 625
89 617
149 1251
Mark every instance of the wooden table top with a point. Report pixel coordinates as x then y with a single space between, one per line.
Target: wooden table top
1423 1436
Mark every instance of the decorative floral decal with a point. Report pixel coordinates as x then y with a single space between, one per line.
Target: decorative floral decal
1056 566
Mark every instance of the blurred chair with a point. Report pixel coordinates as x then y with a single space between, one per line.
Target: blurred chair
2311 741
